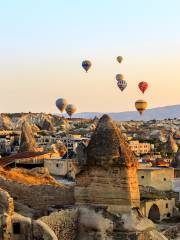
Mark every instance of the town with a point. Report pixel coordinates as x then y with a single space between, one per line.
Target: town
45 158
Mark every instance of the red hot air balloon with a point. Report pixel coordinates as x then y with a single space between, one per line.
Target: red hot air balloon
143 86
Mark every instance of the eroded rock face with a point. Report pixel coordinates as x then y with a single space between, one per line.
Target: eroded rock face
171 146
109 176
47 125
27 142
5 122
177 158
108 146
96 224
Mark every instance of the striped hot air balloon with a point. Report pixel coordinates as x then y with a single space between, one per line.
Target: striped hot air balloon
143 86
141 106
122 84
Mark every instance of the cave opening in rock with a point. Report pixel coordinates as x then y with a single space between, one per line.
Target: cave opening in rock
154 213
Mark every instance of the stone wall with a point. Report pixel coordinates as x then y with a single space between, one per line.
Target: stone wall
39 197
63 223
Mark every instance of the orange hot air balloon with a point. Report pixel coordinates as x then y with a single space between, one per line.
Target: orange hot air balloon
141 106
143 86
71 109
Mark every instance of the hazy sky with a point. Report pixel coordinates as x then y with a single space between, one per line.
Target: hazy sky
42 44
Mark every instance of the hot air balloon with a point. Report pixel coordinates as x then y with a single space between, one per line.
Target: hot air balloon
122 84
141 106
119 59
86 64
119 77
61 104
143 86
71 109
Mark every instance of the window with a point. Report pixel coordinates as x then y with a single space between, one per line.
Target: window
57 165
166 205
16 228
142 177
164 179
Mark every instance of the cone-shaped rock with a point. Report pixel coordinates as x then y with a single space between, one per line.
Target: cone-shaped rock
177 158
27 141
108 146
47 125
171 146
108 178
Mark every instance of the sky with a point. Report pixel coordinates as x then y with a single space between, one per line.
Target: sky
43 42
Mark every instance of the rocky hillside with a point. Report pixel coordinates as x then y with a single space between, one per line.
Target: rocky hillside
39 121
154 113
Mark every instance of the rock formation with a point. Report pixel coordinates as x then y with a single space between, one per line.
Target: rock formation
27 141
107 191
109 175
177 158
171 146
47 125
5 122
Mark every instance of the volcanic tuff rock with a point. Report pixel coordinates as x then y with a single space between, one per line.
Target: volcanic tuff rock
27 141
108 170
5 122
47 125
108 146
171 146
177 158
15 120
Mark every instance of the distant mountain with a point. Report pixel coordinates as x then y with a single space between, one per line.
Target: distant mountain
154 113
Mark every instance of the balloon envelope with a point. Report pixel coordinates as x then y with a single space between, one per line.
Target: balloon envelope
61 104
86 64
141 106
122 84
71 109
119 77
143 86
119 59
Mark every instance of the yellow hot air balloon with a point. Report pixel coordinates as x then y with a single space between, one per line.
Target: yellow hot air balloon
119 77
119 59
141 106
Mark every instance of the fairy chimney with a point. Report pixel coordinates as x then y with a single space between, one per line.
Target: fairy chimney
109 176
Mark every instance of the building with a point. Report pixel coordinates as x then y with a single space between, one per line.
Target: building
60 167
140 148
156 177
158 209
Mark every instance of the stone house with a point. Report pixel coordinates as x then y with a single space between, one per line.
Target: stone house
159 178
